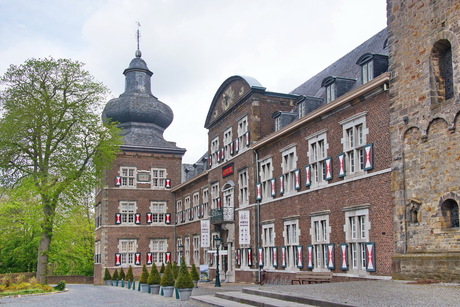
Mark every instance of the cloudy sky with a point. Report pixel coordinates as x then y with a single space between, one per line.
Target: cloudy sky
191 46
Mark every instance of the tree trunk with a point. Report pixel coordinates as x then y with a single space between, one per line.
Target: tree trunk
49 211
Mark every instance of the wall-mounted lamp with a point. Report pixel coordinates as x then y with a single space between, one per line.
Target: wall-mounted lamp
405 120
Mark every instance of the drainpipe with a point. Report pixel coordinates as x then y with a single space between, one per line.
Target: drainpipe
256 168
175 219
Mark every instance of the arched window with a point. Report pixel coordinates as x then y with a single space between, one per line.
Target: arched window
449 209
441 63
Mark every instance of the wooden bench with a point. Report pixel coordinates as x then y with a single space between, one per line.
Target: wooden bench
311 277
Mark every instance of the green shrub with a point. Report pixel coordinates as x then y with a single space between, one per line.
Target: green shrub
175 269
167 280
154 276
194 273
21 278
129 275
144 275
7 280
115 275
162 269
184 280
122 274
60 286
107 275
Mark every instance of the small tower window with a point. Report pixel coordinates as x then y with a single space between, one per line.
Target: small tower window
449 209
331 89
442 73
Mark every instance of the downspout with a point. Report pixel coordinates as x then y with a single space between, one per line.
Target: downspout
175 226
256 176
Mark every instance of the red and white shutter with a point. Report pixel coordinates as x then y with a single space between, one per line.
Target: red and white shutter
368 157
137 258
222 153
328 172
168 257
299 257
137 218
219 205
330 257
232 150
149 217
117 181
167 218
218 155
249 256
297 179
341 158
283 256
310 256
344 257
258 191
273 186
281 185
210 161
117 218
117 259
275 256
308 175
238 257
237 145
149 258
167 183
370 257
260 257
247 139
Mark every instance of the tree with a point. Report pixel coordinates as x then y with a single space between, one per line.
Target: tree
184 280
144 275
51 136
154 276
167 280
194 273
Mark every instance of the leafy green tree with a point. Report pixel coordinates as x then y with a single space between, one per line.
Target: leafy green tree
51 135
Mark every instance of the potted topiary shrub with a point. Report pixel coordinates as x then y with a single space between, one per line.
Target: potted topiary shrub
162 269
167 281
144 286
154 279
107 277
129 277
194 274
115 278
122 277
175 269
184 283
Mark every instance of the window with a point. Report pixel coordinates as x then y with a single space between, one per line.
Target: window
291 240
277 123
242 130
215 150
98 215
266 175
330 92
317 152
449 209
128 176
187 250
158 248
158 178
128 210
206 202
227 141
97 252
179 205
367 71
186 202
127 248
179 249
357 228
158 210
268 242
195 203
319 233
215 195
353 141
196 250
243 196
442 71
301 109
288 165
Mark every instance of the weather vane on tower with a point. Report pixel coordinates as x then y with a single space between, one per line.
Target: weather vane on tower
138 36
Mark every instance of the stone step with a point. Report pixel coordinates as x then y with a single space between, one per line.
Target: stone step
257 300
216 301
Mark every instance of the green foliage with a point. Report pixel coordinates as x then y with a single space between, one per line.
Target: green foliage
107 275
154 276
167 280
122 274
52 138
144 275
162 269
194 273
184 280
60 286
115 275
129 274
175 269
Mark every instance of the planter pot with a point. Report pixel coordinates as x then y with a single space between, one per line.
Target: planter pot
184 294
154 289
108 282
114 283
121 284
167 291
145 288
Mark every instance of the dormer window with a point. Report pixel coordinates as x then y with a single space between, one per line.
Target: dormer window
331 89
278 122
372 65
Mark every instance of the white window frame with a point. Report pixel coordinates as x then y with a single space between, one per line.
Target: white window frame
331 92
98 215
127 249
158 248
187 245
268 242
159 176
266 176
353 140
214 150
291 234
179 250
317 153
242 130
158 210
205 199
320 231
97 251
215 194
187 202
243 195
301 108
128 176
357 226
228 139
288 166
367 71
128 211
196 250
